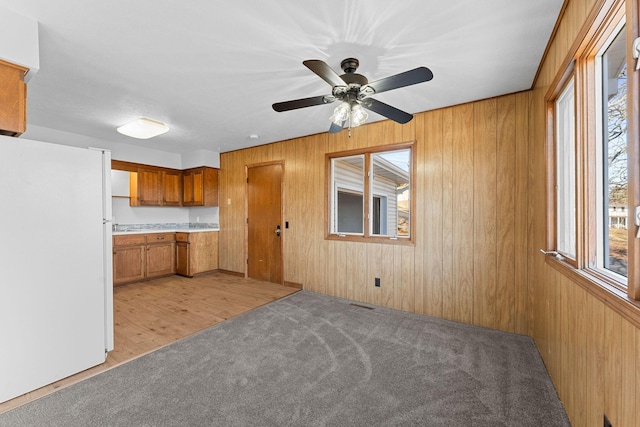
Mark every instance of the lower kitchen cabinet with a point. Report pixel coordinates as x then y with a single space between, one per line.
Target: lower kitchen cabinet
196 253
161 255
143 256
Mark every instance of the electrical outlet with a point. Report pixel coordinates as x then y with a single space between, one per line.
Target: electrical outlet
607 423
377 282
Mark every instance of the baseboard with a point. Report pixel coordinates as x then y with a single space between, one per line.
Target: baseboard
231 273
293 285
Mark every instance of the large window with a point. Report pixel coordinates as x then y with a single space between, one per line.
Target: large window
590 113
370 194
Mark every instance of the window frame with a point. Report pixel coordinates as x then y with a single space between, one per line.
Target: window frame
367 235
555 93
580 64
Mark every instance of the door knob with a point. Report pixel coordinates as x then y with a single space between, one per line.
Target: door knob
278 230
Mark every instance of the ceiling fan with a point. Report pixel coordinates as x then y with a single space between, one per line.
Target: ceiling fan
354 91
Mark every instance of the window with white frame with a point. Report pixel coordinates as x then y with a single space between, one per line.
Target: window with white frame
370 194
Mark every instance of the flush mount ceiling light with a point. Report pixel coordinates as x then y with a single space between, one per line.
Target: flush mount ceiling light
143 128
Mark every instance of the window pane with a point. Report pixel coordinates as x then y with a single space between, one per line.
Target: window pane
348 195
350 209
390 185
614 156
566 172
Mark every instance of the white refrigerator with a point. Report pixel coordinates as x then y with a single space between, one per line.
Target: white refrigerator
56 285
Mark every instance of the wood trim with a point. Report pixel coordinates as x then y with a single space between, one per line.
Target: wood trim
547 49
231 273
25 70
134 167
205 273
633 152
293 285
122 165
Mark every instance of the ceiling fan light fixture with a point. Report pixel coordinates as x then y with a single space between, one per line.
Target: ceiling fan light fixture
340 114
143 128
358 115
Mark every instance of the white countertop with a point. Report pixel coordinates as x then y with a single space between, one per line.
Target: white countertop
164 230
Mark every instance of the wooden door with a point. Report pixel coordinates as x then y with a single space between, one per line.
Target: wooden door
265 228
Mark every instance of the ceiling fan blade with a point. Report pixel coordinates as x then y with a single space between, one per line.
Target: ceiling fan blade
325 72
408 78
335 128
386 110
302 103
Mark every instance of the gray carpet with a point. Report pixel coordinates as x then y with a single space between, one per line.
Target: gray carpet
314 360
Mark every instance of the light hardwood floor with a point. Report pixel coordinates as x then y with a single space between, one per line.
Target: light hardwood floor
150 315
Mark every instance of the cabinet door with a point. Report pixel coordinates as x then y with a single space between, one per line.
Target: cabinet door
198 187
210 187
13 99
203 252
182 259
172 188
149 189
187 188
128 264
161 259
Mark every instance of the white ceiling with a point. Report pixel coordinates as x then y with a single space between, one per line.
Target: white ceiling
212 69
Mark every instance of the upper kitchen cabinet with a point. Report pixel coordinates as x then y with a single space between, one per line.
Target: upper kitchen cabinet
13 99
158 186
200 187
151 186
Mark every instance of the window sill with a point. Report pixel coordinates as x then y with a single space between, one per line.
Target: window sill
362 239
610 295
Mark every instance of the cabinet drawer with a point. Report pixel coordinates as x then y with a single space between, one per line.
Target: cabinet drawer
160 237
182 237
133 239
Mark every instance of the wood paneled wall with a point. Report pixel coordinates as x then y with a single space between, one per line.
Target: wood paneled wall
591 352
469 261
480 223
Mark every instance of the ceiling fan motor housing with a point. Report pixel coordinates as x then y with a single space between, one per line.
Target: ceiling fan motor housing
353 80
349 65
